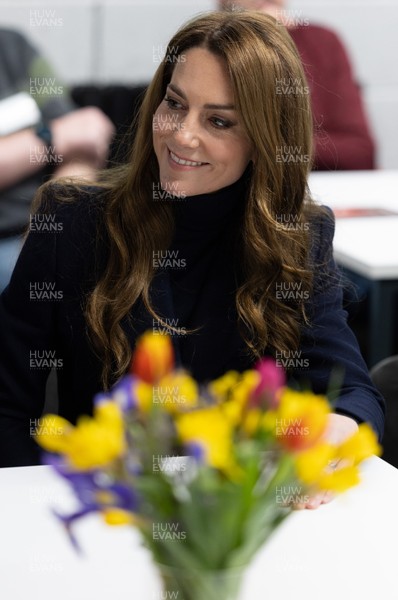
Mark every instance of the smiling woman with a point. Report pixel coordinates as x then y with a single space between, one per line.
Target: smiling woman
205 147
208 233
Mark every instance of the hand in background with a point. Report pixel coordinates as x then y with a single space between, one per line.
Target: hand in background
82 136
80 140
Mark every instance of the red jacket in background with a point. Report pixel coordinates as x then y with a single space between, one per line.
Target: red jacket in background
342 136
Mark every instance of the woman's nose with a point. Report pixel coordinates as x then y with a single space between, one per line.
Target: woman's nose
186 132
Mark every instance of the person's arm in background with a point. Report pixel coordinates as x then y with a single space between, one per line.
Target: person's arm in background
342 136
80 137
80 141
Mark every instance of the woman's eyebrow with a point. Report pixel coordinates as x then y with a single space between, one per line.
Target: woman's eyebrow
178 91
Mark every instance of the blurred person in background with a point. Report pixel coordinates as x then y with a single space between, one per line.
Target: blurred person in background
42 135
342 136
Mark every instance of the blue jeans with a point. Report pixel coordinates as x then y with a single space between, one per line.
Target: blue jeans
9 252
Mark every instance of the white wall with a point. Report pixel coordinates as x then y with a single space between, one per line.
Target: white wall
118 40
101 40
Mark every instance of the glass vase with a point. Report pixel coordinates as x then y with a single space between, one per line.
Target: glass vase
180 584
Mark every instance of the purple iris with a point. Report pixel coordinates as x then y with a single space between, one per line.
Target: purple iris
95 491
196 450
123 393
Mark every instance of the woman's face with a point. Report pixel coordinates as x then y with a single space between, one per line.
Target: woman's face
198 136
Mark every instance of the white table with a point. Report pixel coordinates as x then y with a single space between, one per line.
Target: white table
367 246
345 550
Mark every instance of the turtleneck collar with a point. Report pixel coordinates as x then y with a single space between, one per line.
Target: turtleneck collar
211 212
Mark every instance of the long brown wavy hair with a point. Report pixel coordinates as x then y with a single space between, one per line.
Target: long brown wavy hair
270 95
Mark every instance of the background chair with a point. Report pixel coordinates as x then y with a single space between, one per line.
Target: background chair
385 377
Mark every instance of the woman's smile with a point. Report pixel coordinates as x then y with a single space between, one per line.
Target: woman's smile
178 162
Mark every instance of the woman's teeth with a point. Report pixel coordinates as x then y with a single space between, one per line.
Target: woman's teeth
187 163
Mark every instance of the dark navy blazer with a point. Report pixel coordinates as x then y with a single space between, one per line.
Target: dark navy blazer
61 251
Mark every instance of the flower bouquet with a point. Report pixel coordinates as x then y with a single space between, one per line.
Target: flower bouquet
206 473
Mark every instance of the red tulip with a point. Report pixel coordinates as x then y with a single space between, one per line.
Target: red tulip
153 357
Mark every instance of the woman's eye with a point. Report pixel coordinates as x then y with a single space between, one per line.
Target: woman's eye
220 123
172 104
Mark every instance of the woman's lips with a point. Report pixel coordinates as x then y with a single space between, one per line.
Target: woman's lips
179 163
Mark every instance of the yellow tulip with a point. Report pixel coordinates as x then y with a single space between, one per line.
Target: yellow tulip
252 421
240 394
176 392
361 445
144 396
299 421
313 465
53 433
93 443
310 464
221 387
234 391
339 480
210 429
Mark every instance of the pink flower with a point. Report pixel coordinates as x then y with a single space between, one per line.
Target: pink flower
272 380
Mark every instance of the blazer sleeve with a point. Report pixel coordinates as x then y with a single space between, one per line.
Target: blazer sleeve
27 347
41 332
329 346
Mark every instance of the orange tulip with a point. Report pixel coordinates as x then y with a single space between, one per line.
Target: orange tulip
153 357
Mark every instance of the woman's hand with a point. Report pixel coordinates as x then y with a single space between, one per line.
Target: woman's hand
339 428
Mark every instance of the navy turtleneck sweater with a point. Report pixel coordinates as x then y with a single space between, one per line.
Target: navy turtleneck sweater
206 242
